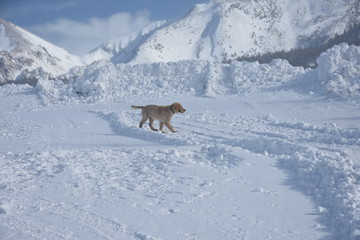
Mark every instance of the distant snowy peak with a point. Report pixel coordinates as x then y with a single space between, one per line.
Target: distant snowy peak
24 55
107 50
228 29
121 49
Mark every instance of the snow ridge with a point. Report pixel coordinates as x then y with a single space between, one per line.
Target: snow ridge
337 77
105 81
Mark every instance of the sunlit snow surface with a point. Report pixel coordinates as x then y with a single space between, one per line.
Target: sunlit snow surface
262 152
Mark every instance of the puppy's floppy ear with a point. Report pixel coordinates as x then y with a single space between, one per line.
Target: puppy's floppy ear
176 106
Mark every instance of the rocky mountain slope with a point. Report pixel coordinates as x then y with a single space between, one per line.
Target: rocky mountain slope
25 57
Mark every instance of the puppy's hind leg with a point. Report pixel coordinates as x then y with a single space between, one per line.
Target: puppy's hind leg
143 120
151 121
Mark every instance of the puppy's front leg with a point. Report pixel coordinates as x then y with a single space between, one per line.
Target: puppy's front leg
168 125
161 126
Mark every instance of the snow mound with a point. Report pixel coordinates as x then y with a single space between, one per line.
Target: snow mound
103 80
338 72
337 76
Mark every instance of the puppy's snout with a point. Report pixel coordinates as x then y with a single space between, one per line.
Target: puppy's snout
183 110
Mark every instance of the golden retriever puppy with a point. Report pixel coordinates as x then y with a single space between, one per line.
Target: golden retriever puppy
161 113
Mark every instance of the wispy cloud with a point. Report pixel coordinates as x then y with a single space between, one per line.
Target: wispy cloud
81 37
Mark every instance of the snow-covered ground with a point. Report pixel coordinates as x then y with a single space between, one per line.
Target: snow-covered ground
262 152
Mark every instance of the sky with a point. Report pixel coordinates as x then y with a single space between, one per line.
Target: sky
81 25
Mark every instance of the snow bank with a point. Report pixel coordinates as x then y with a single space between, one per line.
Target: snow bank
339 70
248 77
337 76
338 73
325 174
332 181
104 80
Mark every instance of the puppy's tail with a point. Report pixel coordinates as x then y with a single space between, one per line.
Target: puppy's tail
137 107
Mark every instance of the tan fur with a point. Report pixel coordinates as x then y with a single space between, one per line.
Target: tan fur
161 113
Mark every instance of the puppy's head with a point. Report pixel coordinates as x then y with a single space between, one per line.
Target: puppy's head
178 107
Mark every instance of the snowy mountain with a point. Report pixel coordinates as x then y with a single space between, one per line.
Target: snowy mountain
25 57
229 29
214 31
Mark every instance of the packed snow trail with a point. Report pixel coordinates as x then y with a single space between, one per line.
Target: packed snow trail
231 172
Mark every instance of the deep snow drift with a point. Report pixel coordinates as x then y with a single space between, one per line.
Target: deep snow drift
337 76
264 151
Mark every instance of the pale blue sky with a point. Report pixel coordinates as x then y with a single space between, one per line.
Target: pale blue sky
67 23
